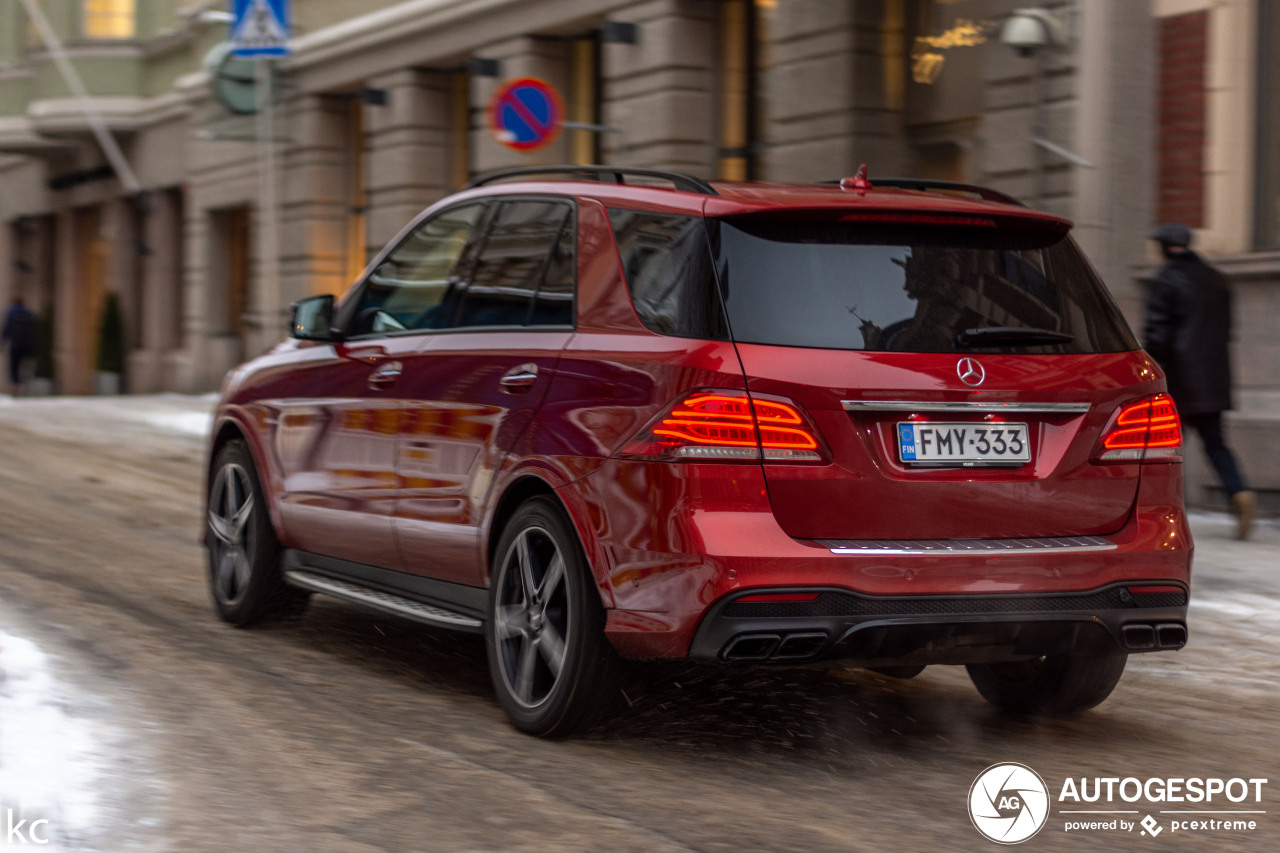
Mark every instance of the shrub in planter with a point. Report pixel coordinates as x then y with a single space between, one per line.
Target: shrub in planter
110 347
44 345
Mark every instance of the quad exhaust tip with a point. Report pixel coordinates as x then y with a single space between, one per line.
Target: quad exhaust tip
1166 635
1139 637
800 645
1171 635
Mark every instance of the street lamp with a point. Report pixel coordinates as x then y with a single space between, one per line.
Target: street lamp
1028 30
1031 32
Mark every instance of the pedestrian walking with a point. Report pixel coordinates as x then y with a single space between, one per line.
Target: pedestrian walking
20 334
1188 329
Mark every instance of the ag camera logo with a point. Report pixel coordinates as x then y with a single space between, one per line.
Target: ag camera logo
1008 803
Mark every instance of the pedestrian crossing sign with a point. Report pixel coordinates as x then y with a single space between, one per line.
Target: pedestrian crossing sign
260 27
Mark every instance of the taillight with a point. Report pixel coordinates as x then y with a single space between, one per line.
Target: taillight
723 425
1145 430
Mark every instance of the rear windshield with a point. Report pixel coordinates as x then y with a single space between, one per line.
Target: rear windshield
817 283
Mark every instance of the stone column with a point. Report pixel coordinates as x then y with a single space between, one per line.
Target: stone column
72 336
9 280
9 273
660 92
314 207
834 95
408 159
1114 131
162 281
187 368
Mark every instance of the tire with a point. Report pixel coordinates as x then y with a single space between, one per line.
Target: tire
244 553
1058 684
552 668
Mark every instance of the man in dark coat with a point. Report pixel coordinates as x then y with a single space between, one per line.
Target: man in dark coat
1187 331
20 333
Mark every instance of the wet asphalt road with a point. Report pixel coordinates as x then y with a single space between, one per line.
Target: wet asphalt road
131 719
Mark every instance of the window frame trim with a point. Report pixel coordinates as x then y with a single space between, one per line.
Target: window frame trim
346 306
467 261
488 226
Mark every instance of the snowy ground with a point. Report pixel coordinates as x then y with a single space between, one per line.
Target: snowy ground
179 414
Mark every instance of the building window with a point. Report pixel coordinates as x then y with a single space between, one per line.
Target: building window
1181 132
584 101
1267 203
742 61
356 192
108 19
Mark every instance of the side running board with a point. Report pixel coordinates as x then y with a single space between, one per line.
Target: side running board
378 600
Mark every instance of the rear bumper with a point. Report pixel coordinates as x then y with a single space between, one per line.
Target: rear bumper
667 582
884 630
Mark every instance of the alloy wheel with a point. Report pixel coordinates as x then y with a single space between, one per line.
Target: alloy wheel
532 624
230 511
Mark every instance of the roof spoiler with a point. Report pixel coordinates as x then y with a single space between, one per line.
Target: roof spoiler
925 185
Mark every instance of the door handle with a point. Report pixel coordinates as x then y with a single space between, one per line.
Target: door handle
519 379
385 376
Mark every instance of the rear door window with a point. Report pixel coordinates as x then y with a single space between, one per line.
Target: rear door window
525 270
814 282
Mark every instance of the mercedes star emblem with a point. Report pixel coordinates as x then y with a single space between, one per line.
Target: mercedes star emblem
970 371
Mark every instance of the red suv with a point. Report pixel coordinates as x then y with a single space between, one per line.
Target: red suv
600 413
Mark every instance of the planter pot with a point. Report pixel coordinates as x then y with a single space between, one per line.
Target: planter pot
106 383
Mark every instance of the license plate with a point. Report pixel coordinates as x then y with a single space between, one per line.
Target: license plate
935 443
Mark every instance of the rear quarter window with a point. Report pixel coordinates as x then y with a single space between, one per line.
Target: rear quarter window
668 267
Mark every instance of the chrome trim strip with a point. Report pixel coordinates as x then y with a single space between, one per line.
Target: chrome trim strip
968 547
380 600
961 406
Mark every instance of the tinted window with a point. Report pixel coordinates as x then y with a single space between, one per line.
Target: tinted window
524 274
667 264
409 287
553 305
817 283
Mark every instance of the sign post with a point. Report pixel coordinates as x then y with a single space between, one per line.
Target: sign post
261 29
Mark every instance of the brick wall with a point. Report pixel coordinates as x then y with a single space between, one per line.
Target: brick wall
1180 139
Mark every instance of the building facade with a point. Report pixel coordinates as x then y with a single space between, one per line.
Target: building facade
1131 113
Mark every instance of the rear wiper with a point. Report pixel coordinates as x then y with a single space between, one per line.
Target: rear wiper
1007 335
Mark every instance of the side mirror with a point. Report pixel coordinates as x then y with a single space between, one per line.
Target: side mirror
313 319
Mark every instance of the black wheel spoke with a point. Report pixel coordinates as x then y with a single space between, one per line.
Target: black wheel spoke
226 578
241 518
525 558
524 672
551 648
552 579
512 621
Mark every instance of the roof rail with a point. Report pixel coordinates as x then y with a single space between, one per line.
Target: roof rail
603 174
927 184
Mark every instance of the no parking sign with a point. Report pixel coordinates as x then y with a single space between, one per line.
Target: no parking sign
525 114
